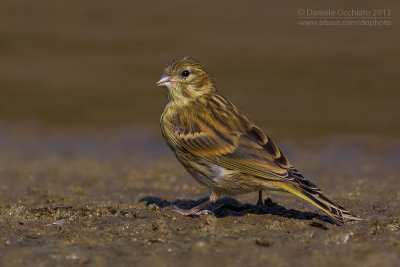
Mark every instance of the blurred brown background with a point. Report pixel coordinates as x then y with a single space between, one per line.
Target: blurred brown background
74 64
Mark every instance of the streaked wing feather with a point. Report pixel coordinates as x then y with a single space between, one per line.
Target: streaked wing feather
238 146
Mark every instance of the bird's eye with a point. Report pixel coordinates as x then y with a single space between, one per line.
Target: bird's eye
185 73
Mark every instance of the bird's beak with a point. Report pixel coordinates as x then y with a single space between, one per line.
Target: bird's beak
165 81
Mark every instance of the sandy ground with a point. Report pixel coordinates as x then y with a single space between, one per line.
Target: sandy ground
100 199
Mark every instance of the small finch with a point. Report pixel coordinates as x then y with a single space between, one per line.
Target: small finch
222 149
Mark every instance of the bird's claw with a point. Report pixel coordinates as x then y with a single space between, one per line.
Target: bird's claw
190 212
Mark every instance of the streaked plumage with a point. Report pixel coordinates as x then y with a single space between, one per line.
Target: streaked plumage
221 148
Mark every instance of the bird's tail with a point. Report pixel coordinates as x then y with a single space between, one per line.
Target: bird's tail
314 195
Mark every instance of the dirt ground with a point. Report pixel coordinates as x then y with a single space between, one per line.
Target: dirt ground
100 199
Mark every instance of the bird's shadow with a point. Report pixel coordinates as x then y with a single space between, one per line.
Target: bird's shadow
228 206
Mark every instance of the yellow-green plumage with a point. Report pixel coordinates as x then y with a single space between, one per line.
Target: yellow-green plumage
221 148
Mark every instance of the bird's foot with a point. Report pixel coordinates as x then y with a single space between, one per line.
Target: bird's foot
191 212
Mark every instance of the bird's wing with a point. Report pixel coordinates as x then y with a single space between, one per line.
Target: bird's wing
219 133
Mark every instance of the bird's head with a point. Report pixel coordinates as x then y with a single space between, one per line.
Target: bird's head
185 78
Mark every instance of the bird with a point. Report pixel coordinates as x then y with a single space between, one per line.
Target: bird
224 150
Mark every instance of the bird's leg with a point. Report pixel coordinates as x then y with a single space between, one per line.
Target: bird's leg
260 200
199 209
